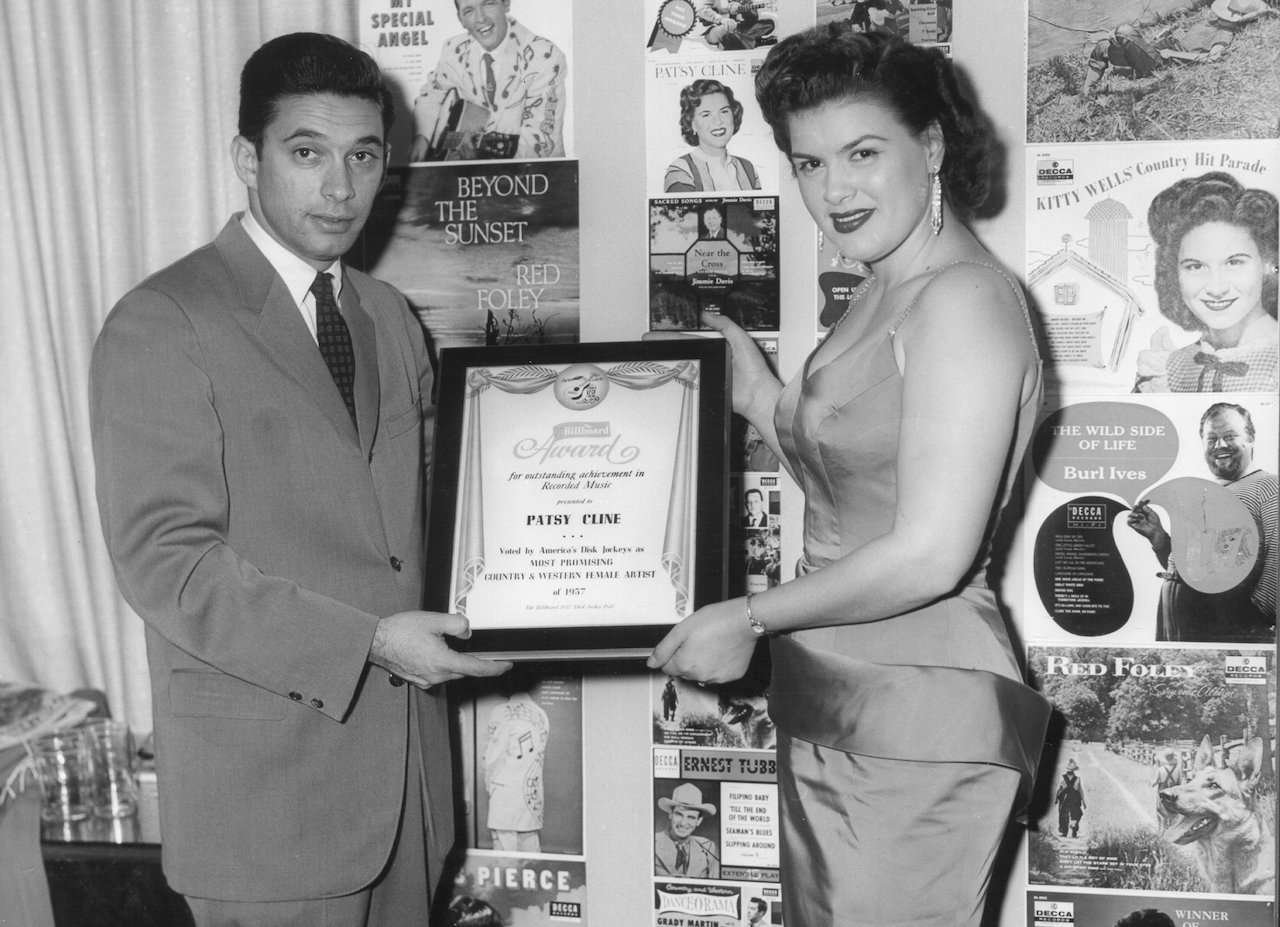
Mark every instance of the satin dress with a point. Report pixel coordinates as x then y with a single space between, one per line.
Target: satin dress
902 743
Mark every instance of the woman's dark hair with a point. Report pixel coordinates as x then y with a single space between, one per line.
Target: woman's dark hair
302 64
1190 203
830 63
691 98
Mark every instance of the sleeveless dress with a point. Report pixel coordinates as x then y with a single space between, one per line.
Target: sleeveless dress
901 742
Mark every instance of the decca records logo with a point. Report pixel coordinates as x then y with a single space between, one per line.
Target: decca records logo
1086 515
1055 171
666 764
565 911
1052 913
1246 671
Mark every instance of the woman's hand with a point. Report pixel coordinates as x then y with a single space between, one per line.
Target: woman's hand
714 644
755 388
753 381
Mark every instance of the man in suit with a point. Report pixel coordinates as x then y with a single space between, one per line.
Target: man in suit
712 224
258 429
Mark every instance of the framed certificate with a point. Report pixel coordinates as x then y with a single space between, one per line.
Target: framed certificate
579 499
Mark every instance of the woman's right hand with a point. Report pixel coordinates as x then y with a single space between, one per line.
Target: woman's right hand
753 382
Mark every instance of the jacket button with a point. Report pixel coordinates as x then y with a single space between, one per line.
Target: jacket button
296 696
316 703
396 563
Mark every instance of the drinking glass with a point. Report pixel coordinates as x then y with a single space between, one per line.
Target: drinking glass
64 763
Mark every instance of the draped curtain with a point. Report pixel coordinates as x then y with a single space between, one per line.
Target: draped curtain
116 118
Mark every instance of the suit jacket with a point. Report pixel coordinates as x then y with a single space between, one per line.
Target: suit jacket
260 538
704 857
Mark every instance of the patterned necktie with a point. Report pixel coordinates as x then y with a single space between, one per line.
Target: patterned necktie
682 859
490 83
335 341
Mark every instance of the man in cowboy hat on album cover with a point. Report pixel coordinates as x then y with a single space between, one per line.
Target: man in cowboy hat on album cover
677 851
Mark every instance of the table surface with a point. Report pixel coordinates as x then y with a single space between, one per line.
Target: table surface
105 872
140 829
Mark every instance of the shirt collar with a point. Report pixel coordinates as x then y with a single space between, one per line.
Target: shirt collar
296 273
722 161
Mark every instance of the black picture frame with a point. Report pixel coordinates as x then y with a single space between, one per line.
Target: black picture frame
695 373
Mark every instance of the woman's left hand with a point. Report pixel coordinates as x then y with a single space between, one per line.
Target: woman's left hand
714 644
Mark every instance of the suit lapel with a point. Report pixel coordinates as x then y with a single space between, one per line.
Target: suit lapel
282 332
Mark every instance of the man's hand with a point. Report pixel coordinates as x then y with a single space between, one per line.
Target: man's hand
1144 520
412 646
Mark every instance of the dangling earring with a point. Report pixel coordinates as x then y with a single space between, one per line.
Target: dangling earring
935 202
822 241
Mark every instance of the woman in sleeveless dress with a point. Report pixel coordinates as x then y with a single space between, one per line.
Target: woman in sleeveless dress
905 733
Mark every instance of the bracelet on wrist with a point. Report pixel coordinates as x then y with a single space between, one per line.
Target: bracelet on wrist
756 624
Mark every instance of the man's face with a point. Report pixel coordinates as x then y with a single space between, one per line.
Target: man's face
756 915
485 20
1228 449
755 503
684 821
323 159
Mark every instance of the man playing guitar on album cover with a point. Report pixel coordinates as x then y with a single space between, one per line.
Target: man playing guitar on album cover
497 92
737 24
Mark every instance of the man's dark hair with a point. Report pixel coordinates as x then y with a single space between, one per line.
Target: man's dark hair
304 64
465 911
1146 917
1219 407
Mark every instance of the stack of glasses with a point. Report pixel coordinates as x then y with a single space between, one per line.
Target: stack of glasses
87 770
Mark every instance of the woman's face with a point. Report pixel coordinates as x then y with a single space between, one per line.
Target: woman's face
1220 276
863 175
713 122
